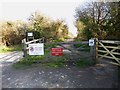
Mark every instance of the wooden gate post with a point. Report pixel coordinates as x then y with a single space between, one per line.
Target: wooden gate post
93 50
25 50
96 49
24 46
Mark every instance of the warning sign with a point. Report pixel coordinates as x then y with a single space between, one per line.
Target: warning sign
57 51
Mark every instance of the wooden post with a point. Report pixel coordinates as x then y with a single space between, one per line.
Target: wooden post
25 50
43 40
24 46
93 50
96 49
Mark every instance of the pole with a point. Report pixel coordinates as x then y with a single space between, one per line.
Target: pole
93 50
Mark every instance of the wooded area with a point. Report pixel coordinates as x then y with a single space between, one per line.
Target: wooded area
93 20
98 19
42 26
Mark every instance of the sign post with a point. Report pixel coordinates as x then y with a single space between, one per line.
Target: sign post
92 44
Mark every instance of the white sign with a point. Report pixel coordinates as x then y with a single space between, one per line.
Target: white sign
30 34
36 49
91 42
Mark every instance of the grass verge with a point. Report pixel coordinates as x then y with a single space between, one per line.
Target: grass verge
56 61
29 60
4 49
46 60
84 62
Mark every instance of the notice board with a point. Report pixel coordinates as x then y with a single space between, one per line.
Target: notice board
36 49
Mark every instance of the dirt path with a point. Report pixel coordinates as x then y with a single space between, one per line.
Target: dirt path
69 77
99 76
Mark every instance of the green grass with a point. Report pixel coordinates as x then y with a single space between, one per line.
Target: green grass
79 45
54 61
59 40
27 61
84 62
77 40
84 47
57 61
4 49
48 46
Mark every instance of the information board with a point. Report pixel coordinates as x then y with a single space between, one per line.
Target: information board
36 49
57 51
30 34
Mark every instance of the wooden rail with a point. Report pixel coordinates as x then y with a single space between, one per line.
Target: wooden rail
109 41
83 42
110 51
25 45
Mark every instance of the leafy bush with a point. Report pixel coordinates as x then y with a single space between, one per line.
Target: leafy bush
59 40
11 33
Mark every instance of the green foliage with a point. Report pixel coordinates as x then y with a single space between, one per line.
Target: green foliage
55 62
82 47
84 62
4 48
59 40
48 46
27 61
79 45
30 60
12 32
45 27
98 19
76 39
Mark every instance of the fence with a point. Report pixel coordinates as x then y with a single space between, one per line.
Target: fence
77 51
108 49
101 49
25 45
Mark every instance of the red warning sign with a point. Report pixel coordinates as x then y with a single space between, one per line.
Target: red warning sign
57 51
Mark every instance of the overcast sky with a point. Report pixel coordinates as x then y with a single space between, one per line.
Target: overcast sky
56 9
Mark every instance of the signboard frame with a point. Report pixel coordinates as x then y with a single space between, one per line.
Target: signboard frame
57 51
36 49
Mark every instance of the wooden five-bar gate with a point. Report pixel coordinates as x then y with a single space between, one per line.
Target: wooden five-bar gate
101 49
108 49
